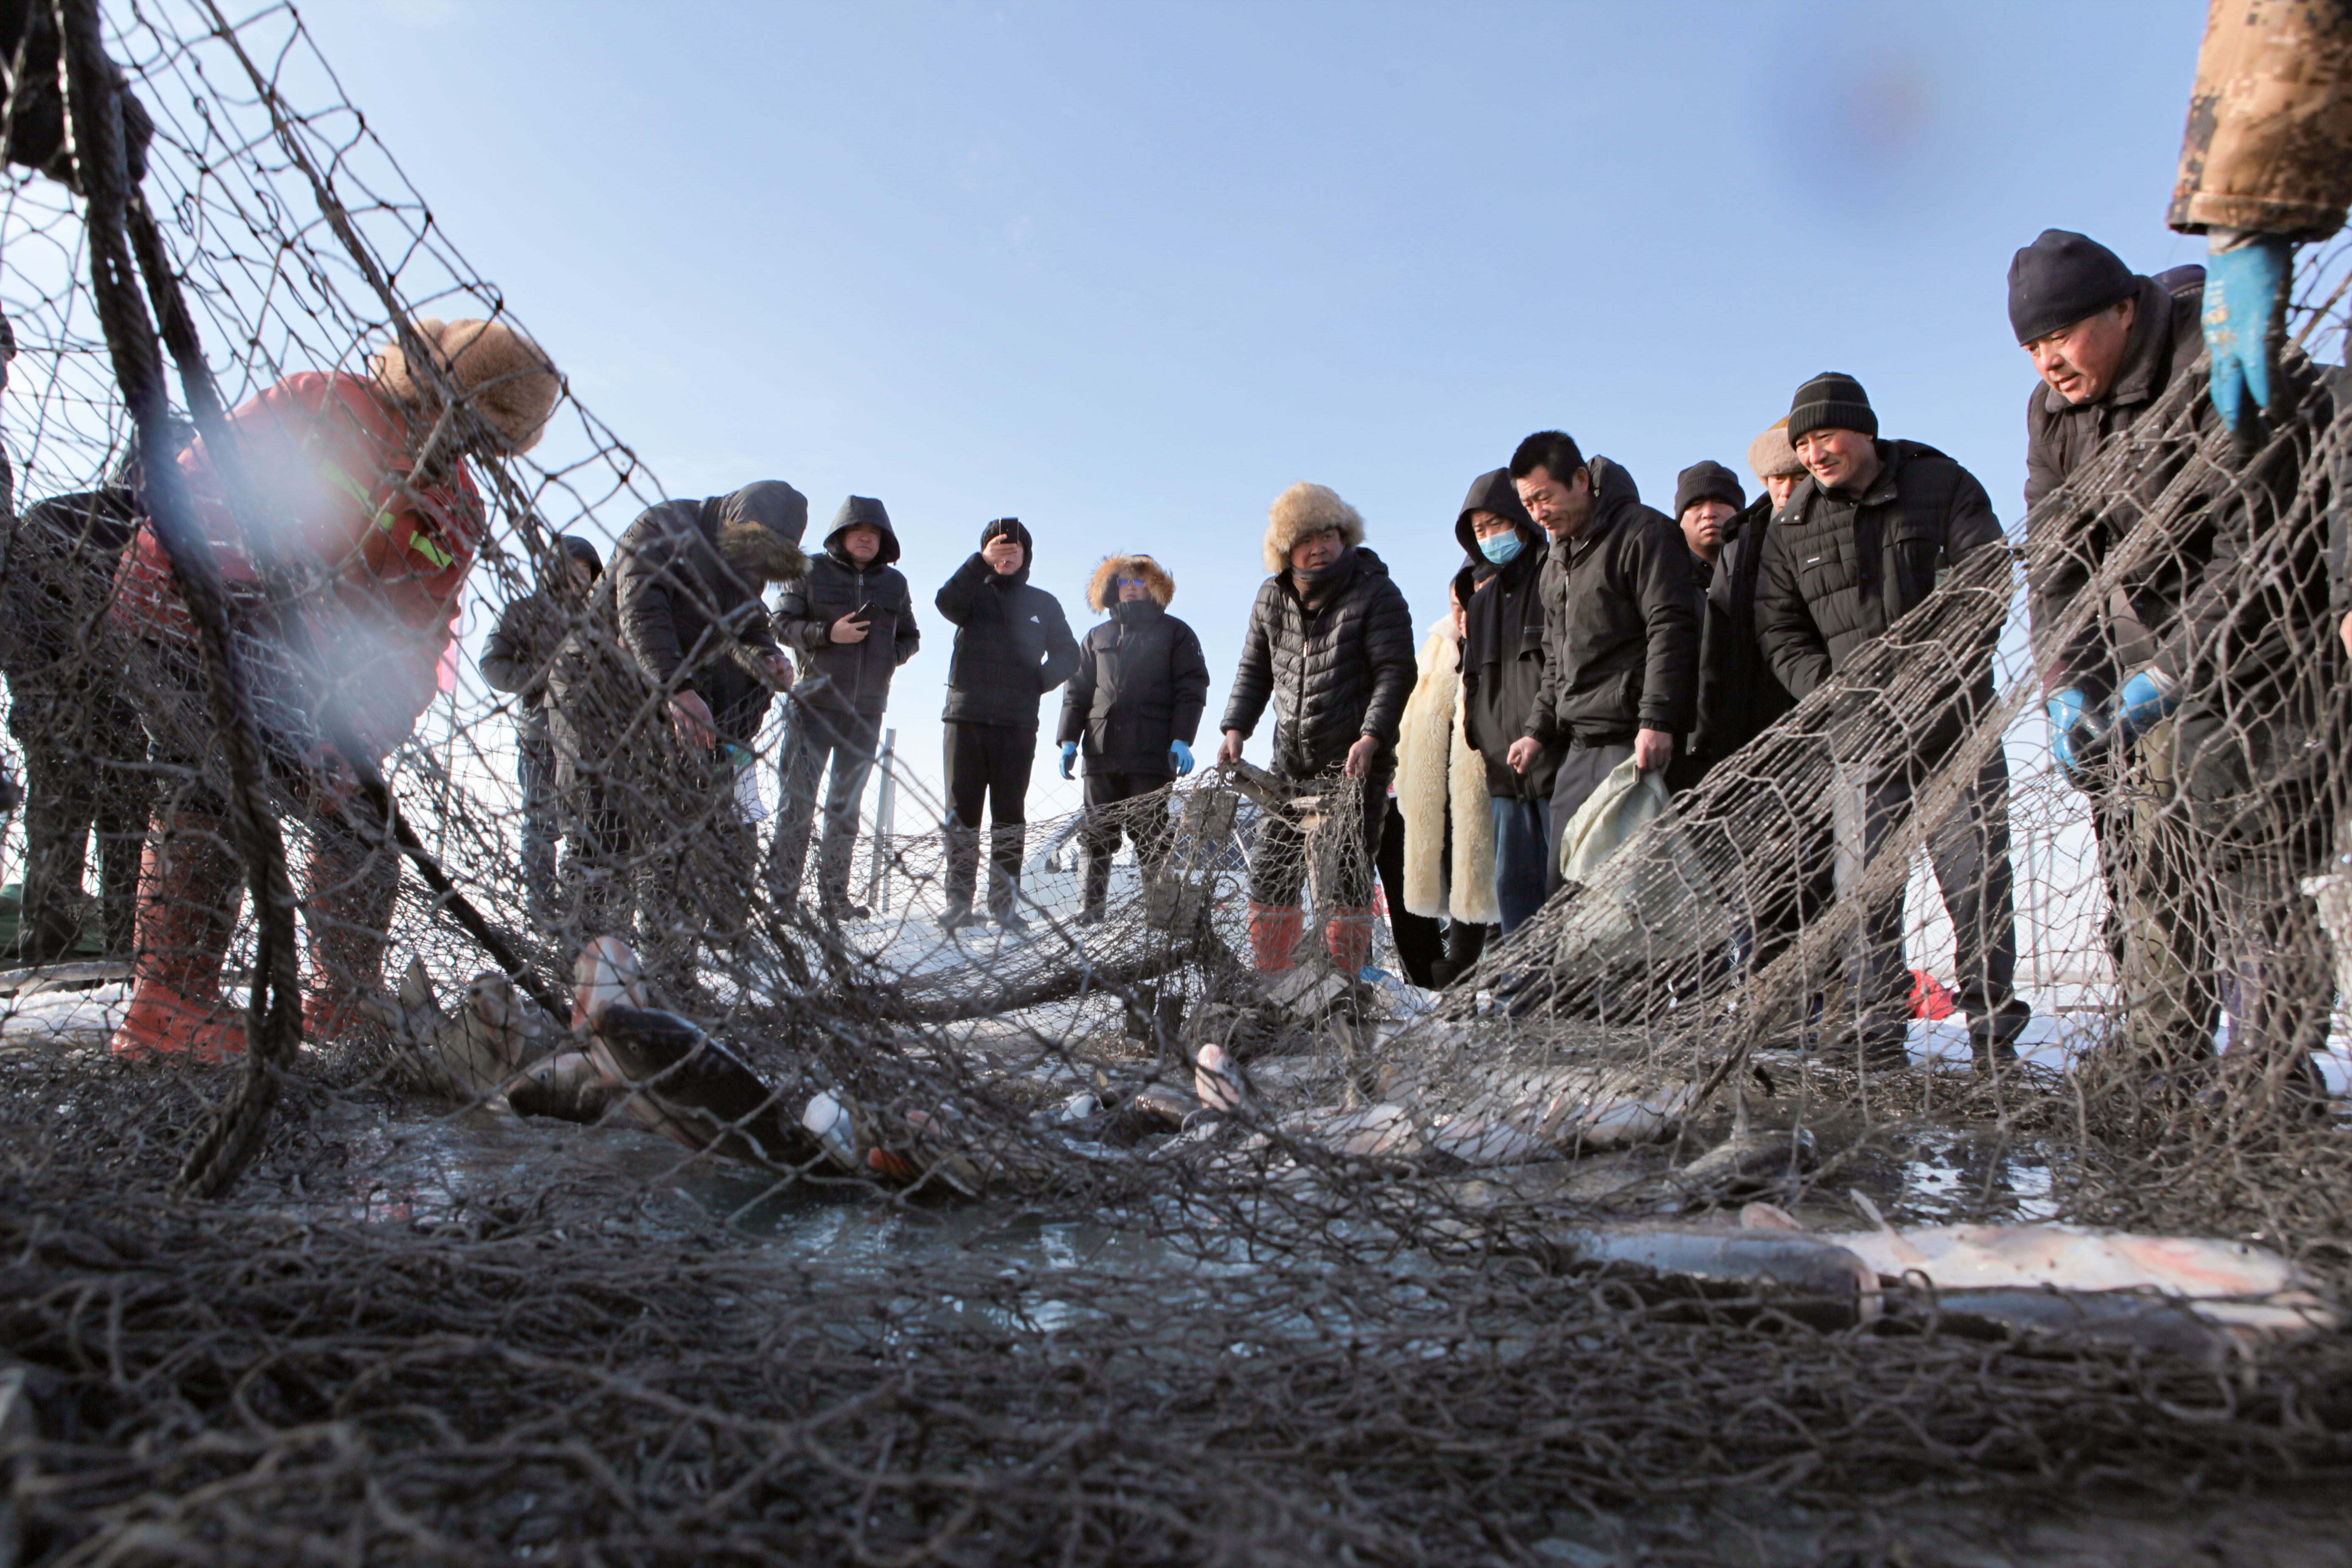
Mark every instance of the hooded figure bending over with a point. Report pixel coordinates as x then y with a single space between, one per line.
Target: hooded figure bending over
1330 643
365 525
1134 706
654 705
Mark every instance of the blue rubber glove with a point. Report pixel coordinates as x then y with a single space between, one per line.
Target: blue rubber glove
1069 756
2145 701
2078 732
1184 755
2245 323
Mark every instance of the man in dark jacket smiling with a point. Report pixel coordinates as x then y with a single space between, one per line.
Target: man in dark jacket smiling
852 620
677 622
1621 625
1865 539
1012 647
1502 670
1330 643
1134 707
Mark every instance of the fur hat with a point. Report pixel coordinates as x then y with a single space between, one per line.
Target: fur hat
1102 596
499 373
1772 454
1302 509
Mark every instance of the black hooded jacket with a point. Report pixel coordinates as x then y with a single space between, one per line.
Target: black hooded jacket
1620 623
1335 673
1503 654
835 585
1141 683
1013 644
679 610
1739 695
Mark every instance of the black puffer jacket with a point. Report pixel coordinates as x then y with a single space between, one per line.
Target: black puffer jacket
1335 673
1739 695
835 585
1503 654
2066 552
1141 683
1620 623
57 583
1012 647
679 610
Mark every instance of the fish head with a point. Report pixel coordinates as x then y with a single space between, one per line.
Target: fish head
608 973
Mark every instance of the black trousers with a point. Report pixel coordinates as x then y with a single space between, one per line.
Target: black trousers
1108 814
1420 938
989 761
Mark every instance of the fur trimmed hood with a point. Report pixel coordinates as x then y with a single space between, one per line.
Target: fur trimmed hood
1302 510
1100 593
503 376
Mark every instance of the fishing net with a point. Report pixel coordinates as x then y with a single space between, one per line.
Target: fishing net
1139 1220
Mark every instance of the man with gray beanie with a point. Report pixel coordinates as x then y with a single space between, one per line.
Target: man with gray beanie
1013 644
516 658
1865 539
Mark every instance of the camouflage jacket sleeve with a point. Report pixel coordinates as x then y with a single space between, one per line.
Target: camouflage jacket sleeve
2269 142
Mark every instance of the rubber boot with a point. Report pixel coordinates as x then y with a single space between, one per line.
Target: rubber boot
1097 907
1005 842
347 898
1348 938
1274 933
189 887
963 874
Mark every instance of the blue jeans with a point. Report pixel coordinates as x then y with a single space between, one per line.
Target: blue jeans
811 738
1522 845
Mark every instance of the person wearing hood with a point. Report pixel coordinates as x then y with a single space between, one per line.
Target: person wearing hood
1867 536
1013 644
1621 625
516 658
656 699
369 473
1132 708
1330 646
1502 670
852 621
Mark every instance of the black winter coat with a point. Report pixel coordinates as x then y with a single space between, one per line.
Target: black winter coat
1620 623
1502 671
1739 695
675 601
1335 673
1012 646
2066 551
518 652
1141 683
836 585
1839 571
57 583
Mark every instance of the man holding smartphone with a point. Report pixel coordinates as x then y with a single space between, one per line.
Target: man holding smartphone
852 618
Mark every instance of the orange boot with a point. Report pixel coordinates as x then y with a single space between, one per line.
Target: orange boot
1273 932
189 889
1348 938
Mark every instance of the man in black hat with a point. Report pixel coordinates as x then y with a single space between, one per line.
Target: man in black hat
1013 644
1864 541
515 659
1707 496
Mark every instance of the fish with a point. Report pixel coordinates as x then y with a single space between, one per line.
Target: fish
676 1079
2238 1285
495 1047
1800 1264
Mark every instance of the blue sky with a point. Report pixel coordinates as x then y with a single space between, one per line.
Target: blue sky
1128 270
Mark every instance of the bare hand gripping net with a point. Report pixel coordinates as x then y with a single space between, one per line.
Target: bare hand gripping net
579 1191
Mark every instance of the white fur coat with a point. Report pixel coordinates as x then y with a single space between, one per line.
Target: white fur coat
1438 769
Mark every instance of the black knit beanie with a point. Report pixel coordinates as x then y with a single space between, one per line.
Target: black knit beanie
1008 528
1831 401
2062 278
1709 480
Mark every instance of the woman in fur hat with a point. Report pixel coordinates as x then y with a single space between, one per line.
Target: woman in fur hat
361 483
1330 646
1440 795
1133 707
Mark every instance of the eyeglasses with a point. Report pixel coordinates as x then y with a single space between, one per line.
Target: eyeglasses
1133 583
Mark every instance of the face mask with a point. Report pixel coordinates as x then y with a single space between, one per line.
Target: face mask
1501 548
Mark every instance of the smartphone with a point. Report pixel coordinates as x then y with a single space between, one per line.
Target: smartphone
863 612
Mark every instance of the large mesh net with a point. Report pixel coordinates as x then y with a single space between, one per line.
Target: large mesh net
566 1173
